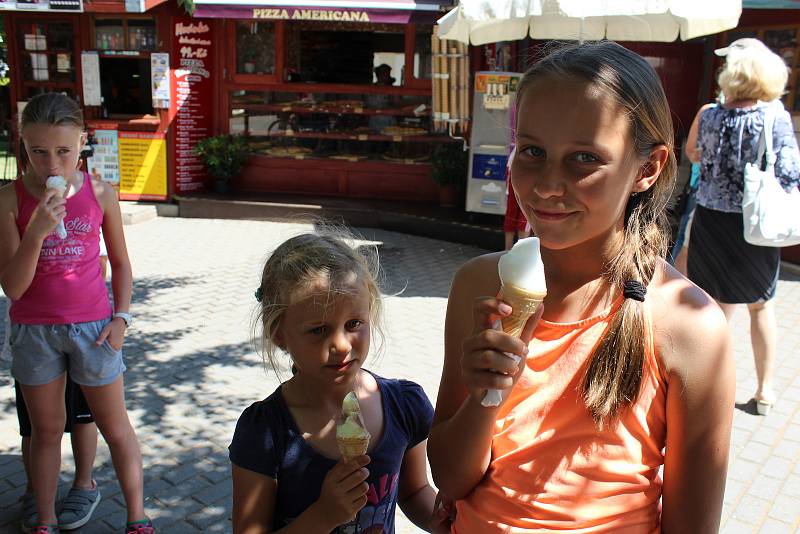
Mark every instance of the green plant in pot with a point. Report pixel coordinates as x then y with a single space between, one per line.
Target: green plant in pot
223 156
449 165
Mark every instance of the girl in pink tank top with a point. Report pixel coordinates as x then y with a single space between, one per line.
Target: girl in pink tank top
626 368
61 317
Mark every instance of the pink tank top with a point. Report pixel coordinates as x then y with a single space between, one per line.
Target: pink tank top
551 469
68 286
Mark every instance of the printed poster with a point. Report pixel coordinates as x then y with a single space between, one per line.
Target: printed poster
104 164
159 74
90 75
142 166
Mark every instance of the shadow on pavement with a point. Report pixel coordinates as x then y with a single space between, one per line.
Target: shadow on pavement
748 407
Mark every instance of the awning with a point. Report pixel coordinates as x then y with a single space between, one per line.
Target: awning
380 11
486 21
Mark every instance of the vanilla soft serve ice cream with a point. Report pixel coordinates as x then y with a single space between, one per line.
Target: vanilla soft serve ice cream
523 287
521 267
351 435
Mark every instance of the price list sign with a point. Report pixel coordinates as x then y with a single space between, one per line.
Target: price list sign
192 101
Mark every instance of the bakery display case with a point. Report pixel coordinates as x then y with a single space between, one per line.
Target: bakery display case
345 127
340 109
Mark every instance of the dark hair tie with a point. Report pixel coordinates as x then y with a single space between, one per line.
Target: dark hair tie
259 294
634 289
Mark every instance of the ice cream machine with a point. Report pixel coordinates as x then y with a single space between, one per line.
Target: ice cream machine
492 104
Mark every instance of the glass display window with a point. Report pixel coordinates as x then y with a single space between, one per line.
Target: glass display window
345 53
47 53
125 34
326 125
423 67
255 47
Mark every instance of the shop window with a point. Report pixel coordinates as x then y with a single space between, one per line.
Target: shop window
255 47
782 42
47 52
125 86
125 34
422 53
327 53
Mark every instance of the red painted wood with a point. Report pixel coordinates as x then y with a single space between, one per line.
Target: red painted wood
363 179
332 88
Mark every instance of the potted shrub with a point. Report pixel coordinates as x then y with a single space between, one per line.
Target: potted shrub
449 165
223 156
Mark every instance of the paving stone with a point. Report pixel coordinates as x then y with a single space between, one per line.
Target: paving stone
192 369
751 509
786 509
773 526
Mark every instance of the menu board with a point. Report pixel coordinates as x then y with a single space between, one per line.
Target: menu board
104 163
142 166
191 103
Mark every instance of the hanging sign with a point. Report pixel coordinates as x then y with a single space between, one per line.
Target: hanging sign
191 104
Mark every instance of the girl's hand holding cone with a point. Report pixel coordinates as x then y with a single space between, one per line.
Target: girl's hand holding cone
486 362
48 213
344 491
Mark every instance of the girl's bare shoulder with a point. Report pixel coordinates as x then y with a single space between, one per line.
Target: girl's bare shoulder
103 191
688 325
478 276
8 198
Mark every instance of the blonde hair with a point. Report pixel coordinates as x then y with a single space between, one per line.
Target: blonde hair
755 73
301 264
52 109
614 374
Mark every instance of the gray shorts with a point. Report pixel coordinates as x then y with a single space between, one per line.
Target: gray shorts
42 353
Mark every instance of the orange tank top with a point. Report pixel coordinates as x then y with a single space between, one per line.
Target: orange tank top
551 469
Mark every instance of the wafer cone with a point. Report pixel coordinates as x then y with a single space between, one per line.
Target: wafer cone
352 447
523 305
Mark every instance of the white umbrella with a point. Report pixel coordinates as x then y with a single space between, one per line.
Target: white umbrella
489 21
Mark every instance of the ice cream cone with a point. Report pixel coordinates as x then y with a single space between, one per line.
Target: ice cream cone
523 305
59 185
352 447
523 287
352 436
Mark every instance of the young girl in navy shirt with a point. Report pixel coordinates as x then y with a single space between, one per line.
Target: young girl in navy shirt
319 303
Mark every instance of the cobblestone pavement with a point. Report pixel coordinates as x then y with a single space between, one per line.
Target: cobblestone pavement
192 370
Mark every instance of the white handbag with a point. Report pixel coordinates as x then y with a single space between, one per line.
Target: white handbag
771 215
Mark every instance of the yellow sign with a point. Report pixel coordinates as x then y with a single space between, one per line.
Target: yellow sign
142 166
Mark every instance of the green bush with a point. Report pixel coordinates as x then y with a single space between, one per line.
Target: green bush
223 155
449 164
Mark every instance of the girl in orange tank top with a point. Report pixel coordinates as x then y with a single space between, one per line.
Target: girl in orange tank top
626 368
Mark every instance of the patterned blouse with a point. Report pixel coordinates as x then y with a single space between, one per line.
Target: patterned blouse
728 139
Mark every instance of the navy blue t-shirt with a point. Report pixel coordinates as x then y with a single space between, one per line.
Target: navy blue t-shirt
267 441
